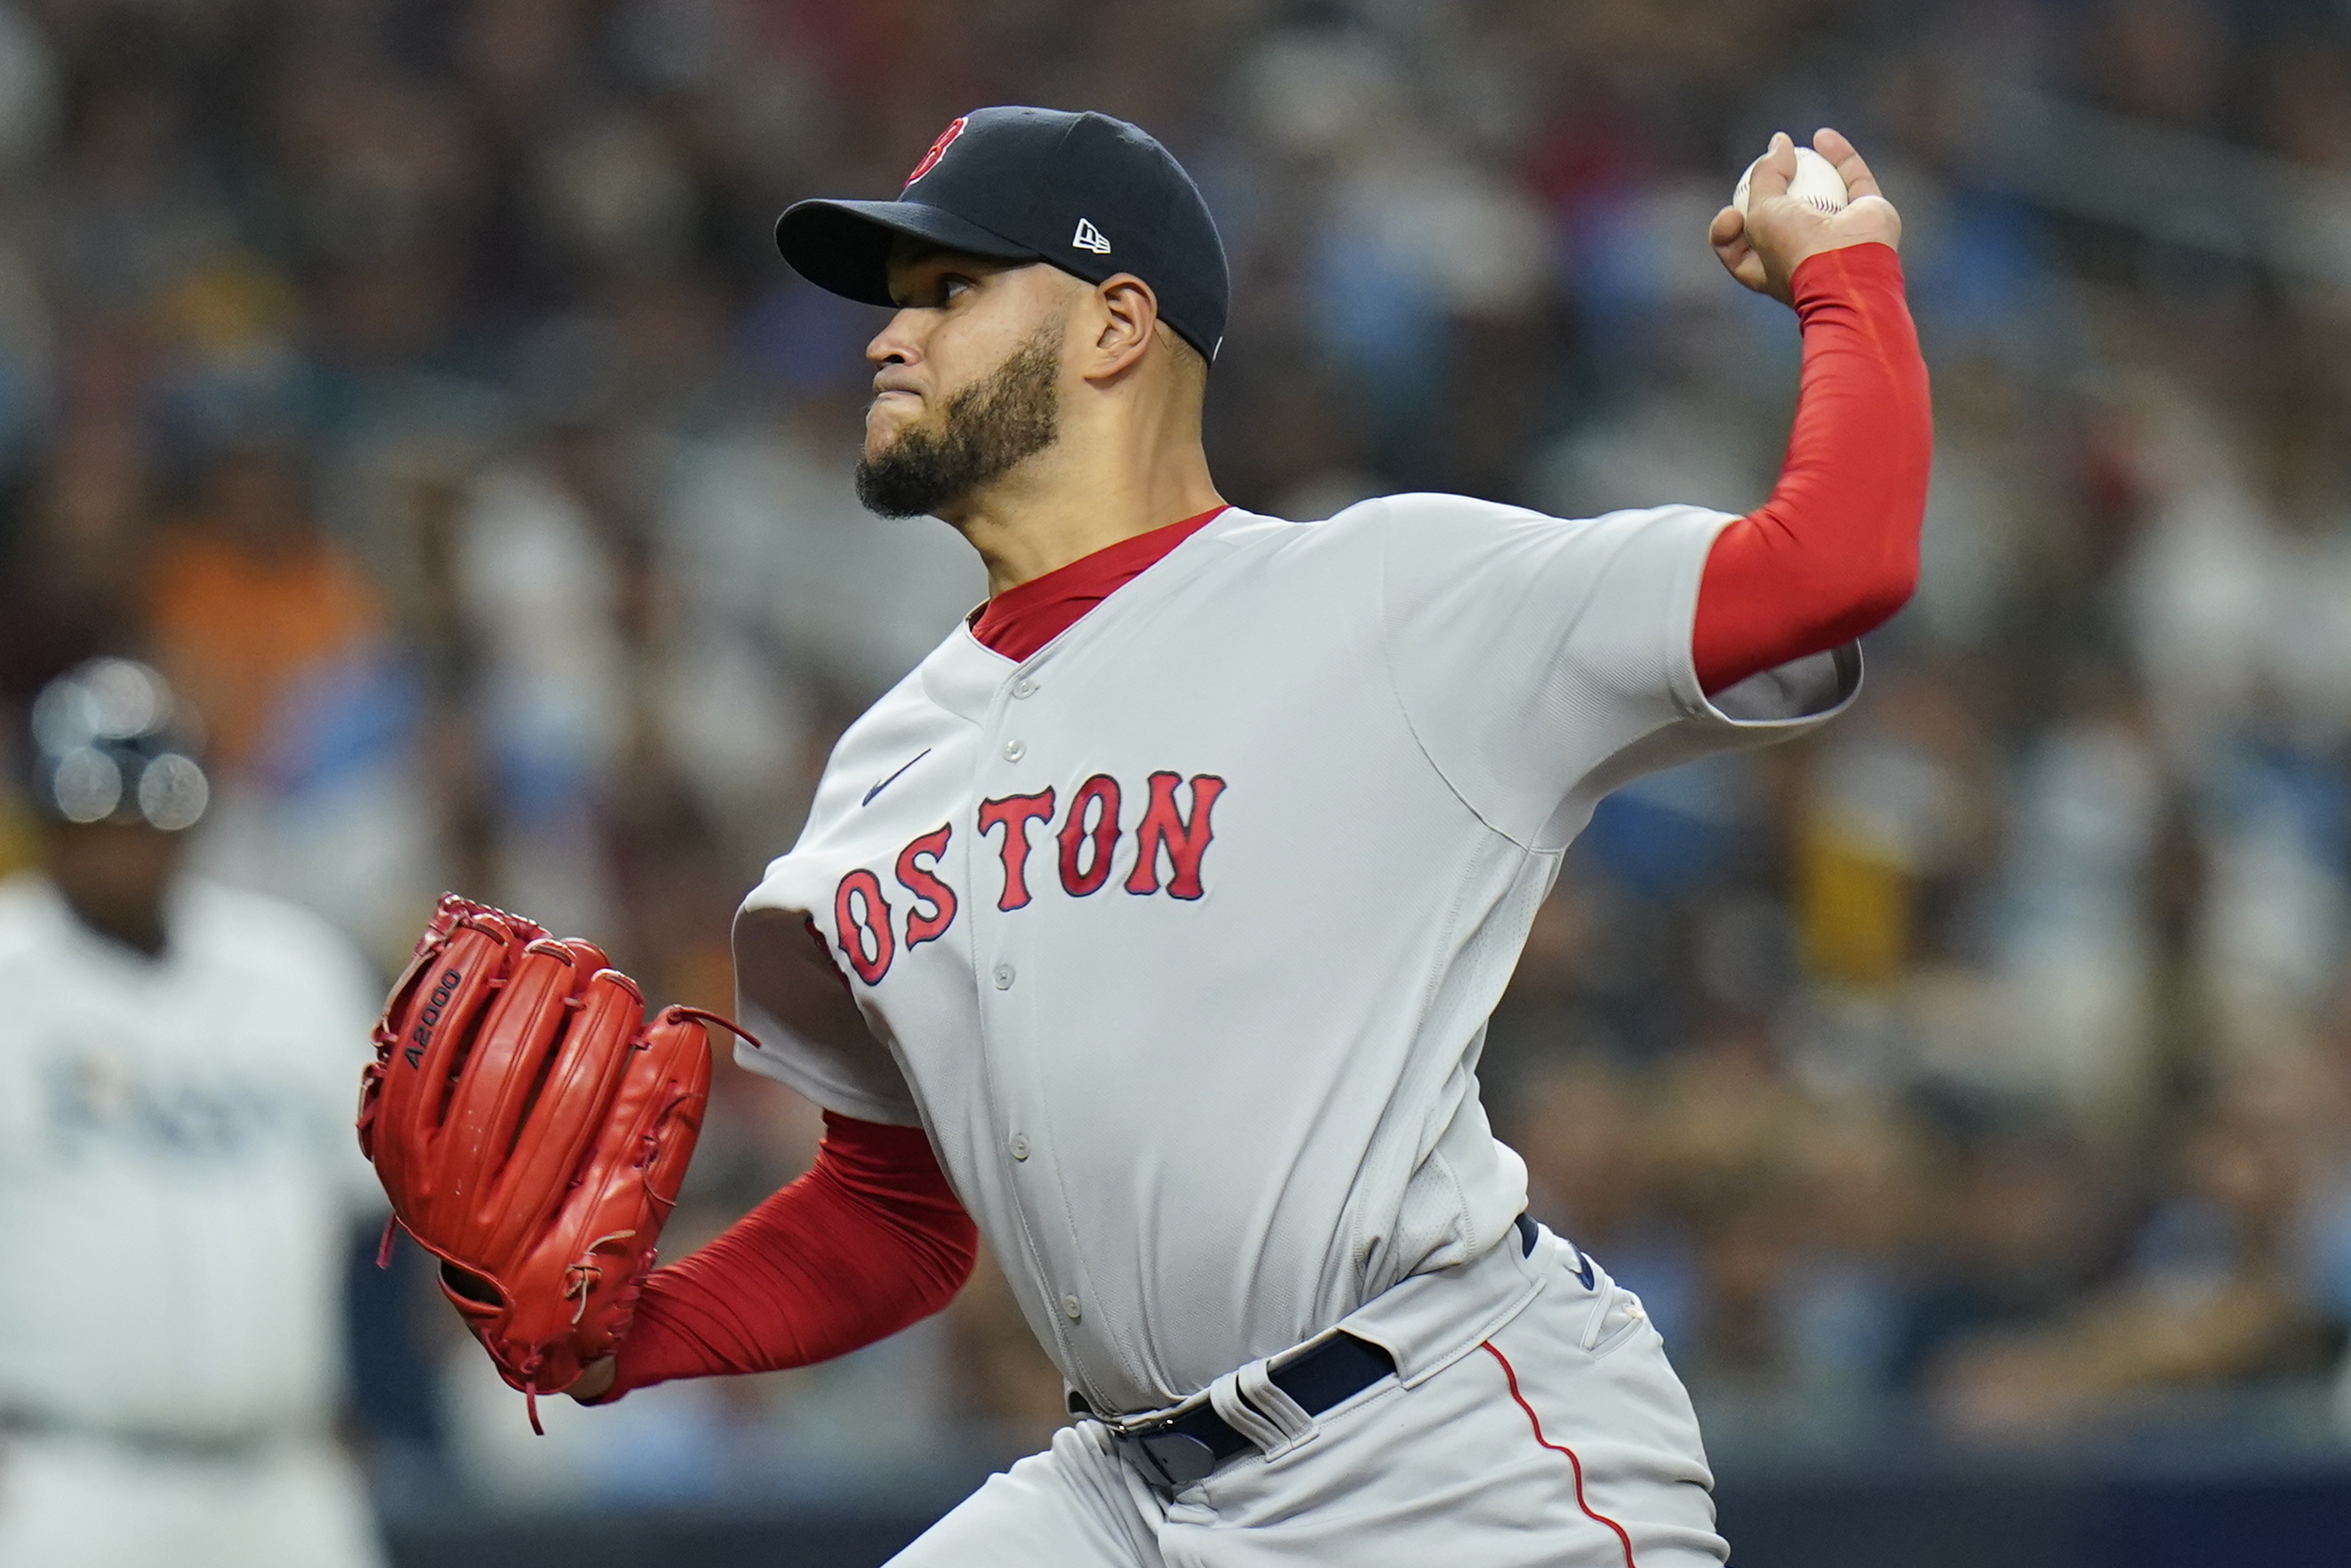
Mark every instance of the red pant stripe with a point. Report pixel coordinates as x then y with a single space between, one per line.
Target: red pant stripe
1536 1422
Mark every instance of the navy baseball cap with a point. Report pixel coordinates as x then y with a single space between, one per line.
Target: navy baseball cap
1091 194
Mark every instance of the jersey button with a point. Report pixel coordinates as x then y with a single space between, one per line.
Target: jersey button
1020 1145
1014 751
1024 688
1004 976
1069 1309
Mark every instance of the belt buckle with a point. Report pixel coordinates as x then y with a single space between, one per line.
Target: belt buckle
1174 1460
1152 1444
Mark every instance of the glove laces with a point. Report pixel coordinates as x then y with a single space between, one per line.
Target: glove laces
729 1025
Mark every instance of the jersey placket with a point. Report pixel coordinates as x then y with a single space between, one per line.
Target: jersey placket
1009 765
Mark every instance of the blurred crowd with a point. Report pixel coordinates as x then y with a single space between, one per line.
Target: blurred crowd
416 383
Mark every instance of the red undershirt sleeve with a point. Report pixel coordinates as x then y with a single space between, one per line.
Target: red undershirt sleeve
1834 551
870 1240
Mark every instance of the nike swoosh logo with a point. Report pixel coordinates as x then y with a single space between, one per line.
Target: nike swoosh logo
893 777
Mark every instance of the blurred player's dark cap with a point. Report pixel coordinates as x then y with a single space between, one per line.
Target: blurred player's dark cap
1091 194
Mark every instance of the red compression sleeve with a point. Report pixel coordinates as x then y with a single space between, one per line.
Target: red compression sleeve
870 1240
1834 551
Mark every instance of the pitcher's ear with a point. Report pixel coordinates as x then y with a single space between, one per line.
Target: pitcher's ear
1128 321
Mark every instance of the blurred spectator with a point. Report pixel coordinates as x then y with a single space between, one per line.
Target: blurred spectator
260 618
2212 1295
71 587
556 589
284 639
2022 1211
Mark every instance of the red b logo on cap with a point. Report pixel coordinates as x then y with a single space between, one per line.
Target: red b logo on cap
938 149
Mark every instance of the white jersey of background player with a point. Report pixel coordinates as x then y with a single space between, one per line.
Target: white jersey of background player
179 1184
1175 919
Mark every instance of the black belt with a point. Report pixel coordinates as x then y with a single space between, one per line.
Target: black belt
1183 1449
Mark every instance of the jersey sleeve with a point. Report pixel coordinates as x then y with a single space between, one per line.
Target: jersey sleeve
1542 662
812 1038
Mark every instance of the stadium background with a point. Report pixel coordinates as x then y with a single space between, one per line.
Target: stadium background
1967 1091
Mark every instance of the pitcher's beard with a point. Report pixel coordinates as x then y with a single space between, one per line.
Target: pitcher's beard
1011 415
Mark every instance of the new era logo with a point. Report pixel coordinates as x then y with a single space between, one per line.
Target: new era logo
1089 237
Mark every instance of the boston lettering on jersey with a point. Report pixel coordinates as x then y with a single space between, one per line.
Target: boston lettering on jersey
1166 832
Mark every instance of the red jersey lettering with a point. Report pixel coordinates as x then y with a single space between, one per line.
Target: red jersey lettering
1079 879
1185 840
924 882
1013 814
862 917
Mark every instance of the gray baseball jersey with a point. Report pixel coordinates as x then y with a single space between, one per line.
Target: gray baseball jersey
1180 935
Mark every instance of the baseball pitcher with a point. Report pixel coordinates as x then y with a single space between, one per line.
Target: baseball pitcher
1149 927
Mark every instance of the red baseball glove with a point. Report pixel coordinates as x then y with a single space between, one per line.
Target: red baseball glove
531 1131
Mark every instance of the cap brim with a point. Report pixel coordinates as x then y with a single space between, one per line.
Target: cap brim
844 246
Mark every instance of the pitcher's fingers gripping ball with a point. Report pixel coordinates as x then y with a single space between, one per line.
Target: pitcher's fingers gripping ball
531 1131
1803 200
1816 184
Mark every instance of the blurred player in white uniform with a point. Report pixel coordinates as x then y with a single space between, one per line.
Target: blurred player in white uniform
178 1178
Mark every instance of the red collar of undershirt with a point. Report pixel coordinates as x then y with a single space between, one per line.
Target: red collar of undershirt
1020 621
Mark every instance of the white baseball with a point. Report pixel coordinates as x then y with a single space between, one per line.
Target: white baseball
1817 184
